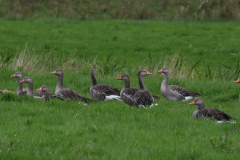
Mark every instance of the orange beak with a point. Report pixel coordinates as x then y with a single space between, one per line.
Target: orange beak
54 72
237 81
119 78
22 81
192 103
160 71
13 75
40 89
148 73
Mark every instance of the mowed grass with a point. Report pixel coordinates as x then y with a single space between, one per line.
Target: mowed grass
31 129
132 40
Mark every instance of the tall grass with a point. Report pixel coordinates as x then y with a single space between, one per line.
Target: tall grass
134 9
31 60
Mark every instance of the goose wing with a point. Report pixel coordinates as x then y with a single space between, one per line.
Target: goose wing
216 114
107 89
184 92
71 95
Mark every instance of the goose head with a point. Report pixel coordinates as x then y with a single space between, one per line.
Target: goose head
197 101
237 81
124 77
163 70
17 75
57 72
143 73
26 80
44 88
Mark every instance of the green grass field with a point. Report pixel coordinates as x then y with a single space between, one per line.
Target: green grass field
31 129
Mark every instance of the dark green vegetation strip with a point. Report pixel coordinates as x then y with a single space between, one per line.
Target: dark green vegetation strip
111 130
121 9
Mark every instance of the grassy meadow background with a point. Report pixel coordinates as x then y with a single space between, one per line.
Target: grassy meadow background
202 56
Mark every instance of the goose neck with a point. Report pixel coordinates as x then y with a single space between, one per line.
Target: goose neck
127 83
19 88
94 80
165 81
141 83
201 106
30 88
60 83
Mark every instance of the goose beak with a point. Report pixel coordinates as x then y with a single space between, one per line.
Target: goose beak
148 73
192 103
160 71
119 78
54 72
40 89
22 81
237 81
13 75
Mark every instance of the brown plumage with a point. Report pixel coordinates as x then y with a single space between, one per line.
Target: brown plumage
30 92
209 113
101 92
127 92
174 92
143 98
48 95
67 93
20 91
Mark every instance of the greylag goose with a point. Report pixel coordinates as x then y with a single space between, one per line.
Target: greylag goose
30 92
45 90
126 92
101 92
174 92
19 88
143 97
67 93
238 81
209 113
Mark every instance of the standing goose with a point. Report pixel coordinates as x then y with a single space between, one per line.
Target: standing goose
126 92
101 92
45 90
143 97
67 93
30 92
174 92
19 88
238 81
209 113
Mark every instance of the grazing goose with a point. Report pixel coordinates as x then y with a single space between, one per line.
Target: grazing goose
174 92
67 93
30 92
238 81
101 92
143 97
45 90
19 88
209 113
126 92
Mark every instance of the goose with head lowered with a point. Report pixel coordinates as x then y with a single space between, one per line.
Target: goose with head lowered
20 91
101 92
48 95
65 92
238 81
174 92
143 98
210 113
30 92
